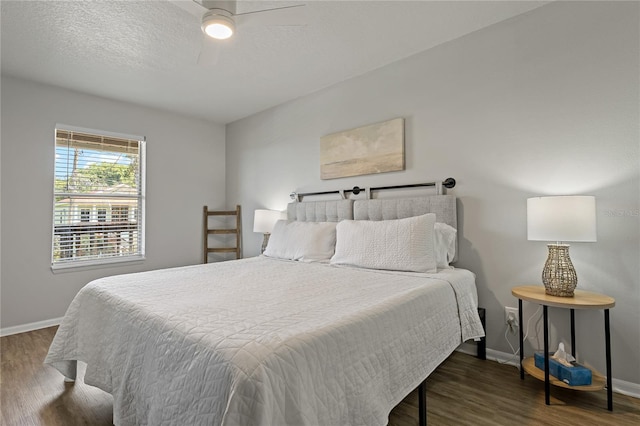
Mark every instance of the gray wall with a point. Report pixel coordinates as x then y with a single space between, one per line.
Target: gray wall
185 170
542 104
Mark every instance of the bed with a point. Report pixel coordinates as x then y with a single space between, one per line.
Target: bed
287 338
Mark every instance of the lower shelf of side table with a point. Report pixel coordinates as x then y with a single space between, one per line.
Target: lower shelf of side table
598 382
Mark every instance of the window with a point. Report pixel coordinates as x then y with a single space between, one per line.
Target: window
84 215
98 211
119 213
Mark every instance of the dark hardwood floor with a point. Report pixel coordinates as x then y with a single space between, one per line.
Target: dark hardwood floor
462 391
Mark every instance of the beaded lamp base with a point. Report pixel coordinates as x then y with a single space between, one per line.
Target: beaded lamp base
558 276
265 241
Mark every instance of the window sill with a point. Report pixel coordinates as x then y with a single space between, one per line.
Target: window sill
95 264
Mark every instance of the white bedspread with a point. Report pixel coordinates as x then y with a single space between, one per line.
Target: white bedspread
264 341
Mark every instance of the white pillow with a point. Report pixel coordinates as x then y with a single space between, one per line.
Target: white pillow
304 241
445 244
397 245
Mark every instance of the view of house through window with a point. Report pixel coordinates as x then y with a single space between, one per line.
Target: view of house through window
98 198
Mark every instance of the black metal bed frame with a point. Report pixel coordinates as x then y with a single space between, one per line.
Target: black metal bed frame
447 183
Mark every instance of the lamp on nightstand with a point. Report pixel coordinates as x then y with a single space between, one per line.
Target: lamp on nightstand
561 219
264 221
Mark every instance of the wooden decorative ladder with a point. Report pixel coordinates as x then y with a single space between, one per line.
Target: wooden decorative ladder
222 231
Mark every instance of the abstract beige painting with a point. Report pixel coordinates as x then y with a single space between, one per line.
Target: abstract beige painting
376 148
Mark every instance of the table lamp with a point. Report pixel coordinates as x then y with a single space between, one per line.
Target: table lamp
561 219
264 221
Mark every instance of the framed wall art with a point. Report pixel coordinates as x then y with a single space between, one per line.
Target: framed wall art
376 148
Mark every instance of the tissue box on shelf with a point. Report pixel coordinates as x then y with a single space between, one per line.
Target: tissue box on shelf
577 375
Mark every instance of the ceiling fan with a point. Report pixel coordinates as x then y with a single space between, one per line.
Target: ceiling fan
219 18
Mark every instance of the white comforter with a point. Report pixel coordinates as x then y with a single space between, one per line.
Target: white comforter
263 341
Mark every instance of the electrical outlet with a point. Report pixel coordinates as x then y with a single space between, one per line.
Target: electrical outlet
511 319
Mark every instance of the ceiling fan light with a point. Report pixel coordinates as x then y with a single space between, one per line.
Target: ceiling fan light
217 26
218 31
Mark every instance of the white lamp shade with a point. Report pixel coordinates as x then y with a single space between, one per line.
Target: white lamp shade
561 218
265 220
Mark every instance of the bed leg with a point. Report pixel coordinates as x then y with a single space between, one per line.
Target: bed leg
422 404
482 343
72 372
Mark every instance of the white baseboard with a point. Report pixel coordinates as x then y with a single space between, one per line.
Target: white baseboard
7 331
626 388
619 386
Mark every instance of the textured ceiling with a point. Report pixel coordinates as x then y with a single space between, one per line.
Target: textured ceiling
149 52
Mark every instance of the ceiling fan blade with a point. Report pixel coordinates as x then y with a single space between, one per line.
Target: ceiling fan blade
192 6
286 16
209 52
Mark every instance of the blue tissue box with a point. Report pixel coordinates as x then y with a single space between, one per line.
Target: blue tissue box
577 375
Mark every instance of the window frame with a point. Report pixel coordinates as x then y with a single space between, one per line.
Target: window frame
99 262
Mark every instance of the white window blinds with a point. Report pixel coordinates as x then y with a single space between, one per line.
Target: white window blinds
98 211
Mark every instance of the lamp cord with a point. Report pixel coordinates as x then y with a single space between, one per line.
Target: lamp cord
524 338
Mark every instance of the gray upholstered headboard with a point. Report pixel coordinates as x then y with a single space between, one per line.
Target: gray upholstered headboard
320 211
444 206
